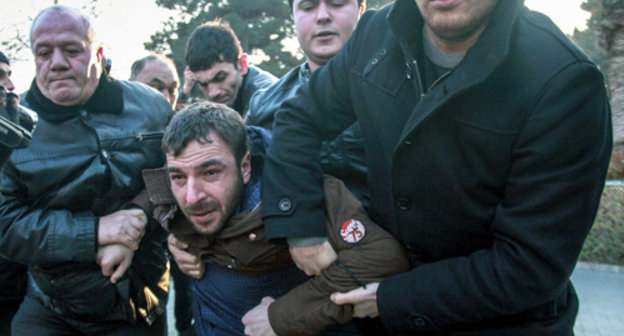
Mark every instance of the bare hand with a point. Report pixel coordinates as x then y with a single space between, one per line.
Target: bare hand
125 227
114 260
314 258
256 321
364 301
189 81
190 264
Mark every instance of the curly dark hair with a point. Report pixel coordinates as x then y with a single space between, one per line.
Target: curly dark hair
210 43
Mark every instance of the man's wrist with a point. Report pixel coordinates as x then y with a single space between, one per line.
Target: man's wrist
306 241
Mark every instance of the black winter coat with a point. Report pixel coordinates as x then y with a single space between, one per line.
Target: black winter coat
342 157
75 171
491 177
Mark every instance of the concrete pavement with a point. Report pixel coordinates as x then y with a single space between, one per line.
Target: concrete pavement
601 294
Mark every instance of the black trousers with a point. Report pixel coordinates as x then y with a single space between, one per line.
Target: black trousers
33 318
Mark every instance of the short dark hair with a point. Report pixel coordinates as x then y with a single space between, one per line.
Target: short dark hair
210 43
290 3
198 120
4 59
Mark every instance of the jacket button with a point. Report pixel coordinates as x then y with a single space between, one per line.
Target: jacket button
285 204
403 203
252 236
85 115
374 61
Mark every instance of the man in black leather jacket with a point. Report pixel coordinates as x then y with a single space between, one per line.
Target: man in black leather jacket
322 28
13 277
94 265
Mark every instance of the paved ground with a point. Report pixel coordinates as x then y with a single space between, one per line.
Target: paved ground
601 292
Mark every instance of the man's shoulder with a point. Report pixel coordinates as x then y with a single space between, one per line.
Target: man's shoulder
140 96
537 30
259 78
265 102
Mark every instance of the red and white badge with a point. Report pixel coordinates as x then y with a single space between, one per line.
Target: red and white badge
352 231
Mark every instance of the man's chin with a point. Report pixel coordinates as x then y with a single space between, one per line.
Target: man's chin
207 228
63 97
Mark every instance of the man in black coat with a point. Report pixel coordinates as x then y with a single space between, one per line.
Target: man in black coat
487 134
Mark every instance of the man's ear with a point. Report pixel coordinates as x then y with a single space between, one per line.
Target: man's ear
362 10
246 167
99 54
242 65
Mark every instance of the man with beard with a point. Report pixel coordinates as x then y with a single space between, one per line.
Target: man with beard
214 176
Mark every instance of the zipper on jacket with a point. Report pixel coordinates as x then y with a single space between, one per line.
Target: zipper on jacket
446 74
149 135
419 83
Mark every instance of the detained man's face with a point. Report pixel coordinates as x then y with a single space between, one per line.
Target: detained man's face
222 82
207 182
323 27
68 68
162 77
455 20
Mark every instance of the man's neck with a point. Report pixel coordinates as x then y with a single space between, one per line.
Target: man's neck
453 46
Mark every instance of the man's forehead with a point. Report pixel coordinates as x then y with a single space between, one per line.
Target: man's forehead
61 27
159 71
196 154
215 69
5 68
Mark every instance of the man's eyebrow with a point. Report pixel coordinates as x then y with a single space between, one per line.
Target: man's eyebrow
157 80
208 163
173 169
217 75
203 165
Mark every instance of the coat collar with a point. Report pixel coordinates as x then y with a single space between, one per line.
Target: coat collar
406 23
492 47
107 98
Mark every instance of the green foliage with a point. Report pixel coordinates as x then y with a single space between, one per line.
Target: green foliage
589 39
605 242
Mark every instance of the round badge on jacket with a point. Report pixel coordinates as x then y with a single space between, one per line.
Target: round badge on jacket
352 231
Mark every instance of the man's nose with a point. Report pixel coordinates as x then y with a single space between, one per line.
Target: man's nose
322 15
168 95
8 84
194 191
58 60
214 91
